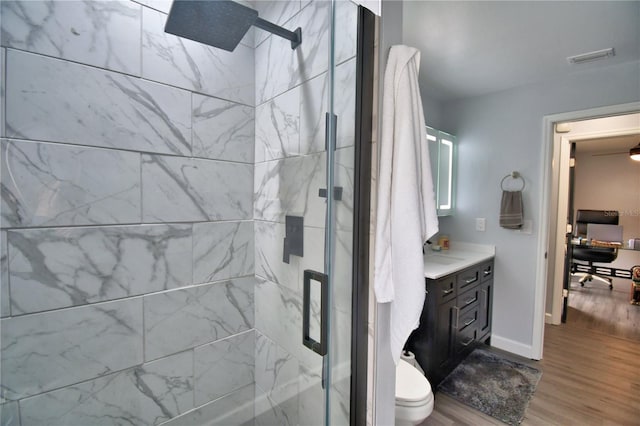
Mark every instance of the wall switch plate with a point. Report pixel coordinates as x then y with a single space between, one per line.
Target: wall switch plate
481 224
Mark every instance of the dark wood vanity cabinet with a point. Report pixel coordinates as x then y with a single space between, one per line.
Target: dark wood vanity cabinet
456 317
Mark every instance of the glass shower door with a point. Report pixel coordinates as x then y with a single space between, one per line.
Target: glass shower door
340 208
304 190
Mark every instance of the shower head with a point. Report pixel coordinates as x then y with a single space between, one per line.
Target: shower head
220 23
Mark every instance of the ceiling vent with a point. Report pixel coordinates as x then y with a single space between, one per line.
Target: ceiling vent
591 56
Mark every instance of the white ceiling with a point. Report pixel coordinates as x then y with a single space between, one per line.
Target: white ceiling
608 145
479 47
614 134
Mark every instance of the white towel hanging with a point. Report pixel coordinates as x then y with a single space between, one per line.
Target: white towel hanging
406 210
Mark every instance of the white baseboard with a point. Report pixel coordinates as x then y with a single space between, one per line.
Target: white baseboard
548 318
512 346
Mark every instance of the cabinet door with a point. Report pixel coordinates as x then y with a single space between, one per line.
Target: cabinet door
486 304
444 333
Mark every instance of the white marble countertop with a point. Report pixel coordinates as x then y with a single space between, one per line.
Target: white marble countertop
437 264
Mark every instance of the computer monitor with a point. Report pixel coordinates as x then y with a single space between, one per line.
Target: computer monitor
607 233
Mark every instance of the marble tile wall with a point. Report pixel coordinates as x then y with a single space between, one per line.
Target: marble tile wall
127 245
223 365
46 351
279 68
5 305
222 250
47 96
143 205
53 268
193 66
277 384
3 53
46 184
222 129
104 34
9 414
185 318
193 190
144 395
236 408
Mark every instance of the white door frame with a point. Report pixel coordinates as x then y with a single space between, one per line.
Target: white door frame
549 186
563 203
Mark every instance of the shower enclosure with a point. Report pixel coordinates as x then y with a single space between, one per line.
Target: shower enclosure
148 275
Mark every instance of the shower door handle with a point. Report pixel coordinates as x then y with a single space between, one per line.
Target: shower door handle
330 128
321 346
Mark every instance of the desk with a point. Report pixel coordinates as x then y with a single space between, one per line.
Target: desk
608 271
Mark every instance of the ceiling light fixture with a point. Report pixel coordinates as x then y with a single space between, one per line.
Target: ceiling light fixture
634 153
591 56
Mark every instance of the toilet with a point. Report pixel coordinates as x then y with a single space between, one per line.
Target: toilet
414 399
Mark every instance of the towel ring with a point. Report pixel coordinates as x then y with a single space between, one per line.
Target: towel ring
512 175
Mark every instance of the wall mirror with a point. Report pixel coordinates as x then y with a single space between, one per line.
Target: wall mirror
442 150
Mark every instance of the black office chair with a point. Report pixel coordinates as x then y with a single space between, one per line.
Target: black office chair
594 254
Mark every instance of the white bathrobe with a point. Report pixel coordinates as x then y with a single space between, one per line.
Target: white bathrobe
406 210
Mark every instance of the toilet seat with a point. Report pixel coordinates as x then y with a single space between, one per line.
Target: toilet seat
412 388
414 399
428 400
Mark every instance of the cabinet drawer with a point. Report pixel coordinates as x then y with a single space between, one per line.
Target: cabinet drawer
468 298
444 288
468 278
486 271
465 339
467 318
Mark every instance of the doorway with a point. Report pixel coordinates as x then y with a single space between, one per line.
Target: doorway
605 179
548 298
600 161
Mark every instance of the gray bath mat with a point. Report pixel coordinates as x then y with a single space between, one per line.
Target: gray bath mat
492 384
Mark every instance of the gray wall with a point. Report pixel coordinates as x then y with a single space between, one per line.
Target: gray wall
502 132
609 182
432 112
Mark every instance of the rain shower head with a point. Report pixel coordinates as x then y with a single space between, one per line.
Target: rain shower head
220 23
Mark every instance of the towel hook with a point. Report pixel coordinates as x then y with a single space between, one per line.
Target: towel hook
513 175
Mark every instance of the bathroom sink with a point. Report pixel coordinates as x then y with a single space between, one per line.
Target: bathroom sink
442 259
